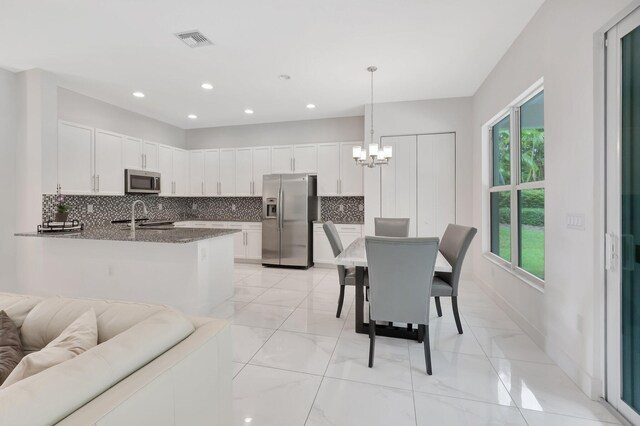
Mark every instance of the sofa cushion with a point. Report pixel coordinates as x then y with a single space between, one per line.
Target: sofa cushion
10 346
47 320
80 336
17 306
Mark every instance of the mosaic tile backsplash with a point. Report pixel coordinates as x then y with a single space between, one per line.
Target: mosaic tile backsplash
243 209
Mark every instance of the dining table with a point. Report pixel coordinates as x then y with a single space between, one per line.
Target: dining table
355 256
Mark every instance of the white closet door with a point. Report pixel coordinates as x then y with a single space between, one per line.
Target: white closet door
398 190
436 194
244 171
212 172
261 167
329 169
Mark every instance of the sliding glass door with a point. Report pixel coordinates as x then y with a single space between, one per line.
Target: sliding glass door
623 217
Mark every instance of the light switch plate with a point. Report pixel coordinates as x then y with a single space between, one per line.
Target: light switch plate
575 221
341 207
194 206
89 208
159 206
233 207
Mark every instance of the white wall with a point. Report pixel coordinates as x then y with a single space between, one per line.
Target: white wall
417 117
8 138
92 112
557 44
285 133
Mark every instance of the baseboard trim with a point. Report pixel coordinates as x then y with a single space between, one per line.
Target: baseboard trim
591 386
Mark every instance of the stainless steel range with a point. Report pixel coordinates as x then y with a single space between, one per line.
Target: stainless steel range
289 207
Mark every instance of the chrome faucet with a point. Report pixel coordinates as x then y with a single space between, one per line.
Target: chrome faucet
133 215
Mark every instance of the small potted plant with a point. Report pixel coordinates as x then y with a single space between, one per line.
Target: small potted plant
62 209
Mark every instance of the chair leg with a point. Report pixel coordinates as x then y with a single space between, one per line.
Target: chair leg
420 333
438 307
456 315
340 301
427 349
372 341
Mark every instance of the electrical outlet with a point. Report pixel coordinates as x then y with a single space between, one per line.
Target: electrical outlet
233 207
361 207
89 208
341 208
159 206
194 206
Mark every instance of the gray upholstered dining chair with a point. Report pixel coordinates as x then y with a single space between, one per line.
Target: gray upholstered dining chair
400 276
391 227
455 243
347 276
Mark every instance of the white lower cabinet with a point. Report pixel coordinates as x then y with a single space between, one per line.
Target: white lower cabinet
322 252
247 242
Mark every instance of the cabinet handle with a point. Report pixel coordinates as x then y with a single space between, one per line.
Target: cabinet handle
337 186
98 183
291 164
219 188
340 180
244 238
202 188
294 164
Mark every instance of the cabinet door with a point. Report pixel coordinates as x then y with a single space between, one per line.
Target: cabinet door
253 239
180 171
132 153
328 169
350 172
282 159
261 167
196 173
436 191
109 173
227 172
165 167
398 186
322 252
211 172
244 171
305 158
239 251
150 155
75 158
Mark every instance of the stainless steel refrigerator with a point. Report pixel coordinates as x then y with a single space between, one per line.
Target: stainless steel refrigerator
289 207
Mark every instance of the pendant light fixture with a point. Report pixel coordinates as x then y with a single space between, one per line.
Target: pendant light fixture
377 155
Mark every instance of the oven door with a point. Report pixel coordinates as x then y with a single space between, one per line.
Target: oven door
141 182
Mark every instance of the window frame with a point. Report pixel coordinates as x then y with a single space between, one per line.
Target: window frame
515 185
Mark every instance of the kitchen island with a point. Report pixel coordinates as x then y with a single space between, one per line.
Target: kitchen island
189 269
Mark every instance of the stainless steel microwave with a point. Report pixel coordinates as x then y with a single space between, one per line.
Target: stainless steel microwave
141 182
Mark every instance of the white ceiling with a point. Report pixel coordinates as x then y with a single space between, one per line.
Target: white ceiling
107 49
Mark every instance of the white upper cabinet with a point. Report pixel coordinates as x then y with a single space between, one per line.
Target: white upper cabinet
132 156
329 169
338 174
244 171
227 172
149 156
180 172
109 175
196 173
165 167
212 172
351 183
75 158
282 159
261 167
305 158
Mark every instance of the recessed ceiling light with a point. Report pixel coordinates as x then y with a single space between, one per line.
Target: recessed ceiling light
248 111
284 77
311 106
207 86
192 116
138 94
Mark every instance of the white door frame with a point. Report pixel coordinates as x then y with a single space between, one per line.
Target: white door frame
613 214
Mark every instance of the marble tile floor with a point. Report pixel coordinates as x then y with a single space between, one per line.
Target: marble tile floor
295 363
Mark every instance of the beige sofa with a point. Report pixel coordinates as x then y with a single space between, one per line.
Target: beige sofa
152 366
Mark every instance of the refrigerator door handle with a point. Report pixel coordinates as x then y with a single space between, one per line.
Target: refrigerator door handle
280 210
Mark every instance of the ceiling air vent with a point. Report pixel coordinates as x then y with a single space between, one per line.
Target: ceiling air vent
194 38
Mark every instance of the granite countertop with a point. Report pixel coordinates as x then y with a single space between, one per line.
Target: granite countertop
119 233
340 223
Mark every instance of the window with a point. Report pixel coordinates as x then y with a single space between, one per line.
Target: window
516 198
